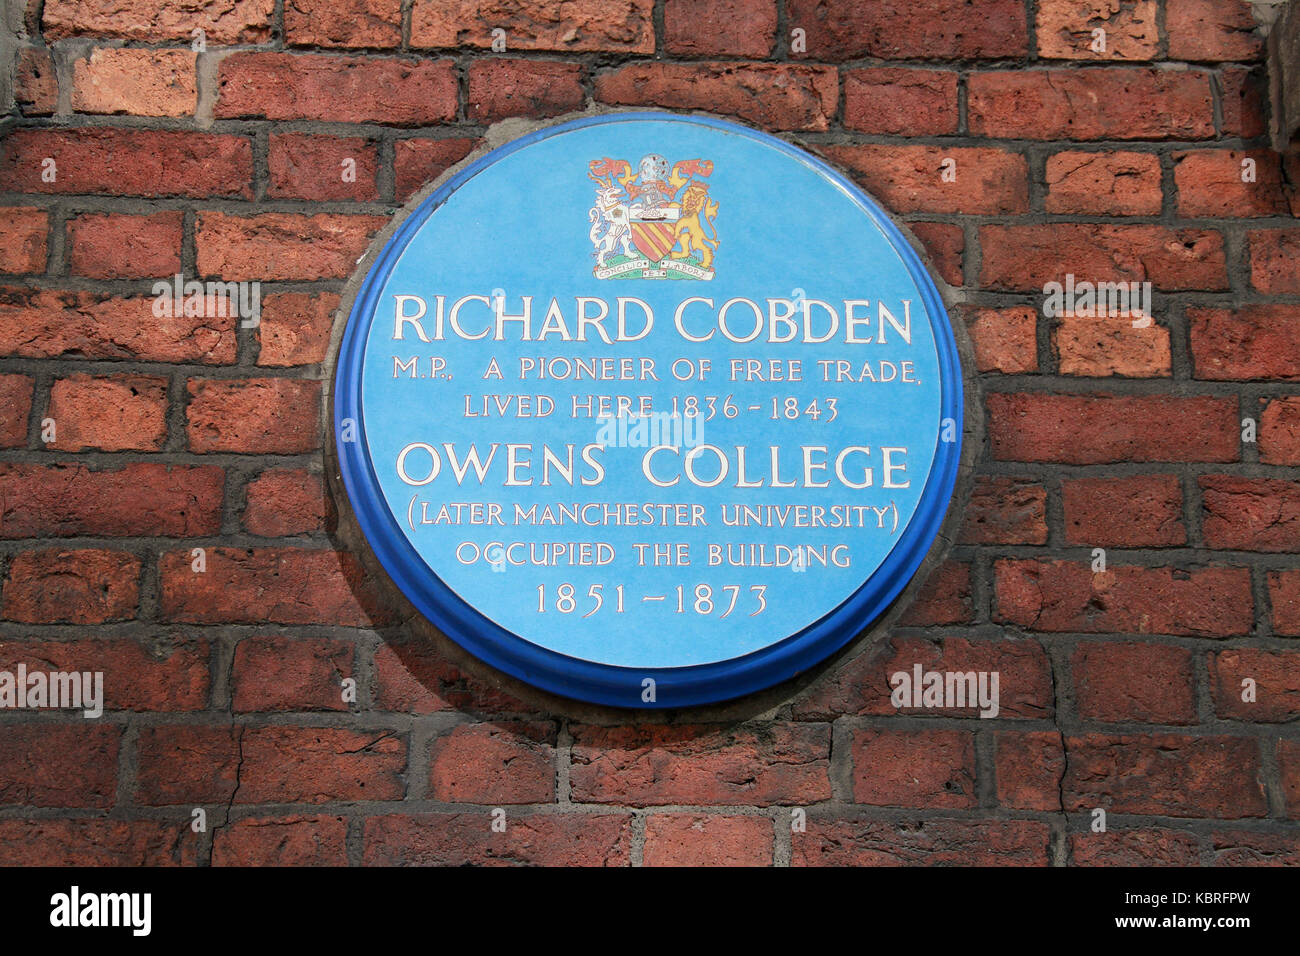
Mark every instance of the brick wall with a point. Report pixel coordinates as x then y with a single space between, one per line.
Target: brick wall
1121 689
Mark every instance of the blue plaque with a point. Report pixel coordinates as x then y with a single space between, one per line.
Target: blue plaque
648 410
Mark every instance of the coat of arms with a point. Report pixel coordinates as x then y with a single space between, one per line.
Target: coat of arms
652 222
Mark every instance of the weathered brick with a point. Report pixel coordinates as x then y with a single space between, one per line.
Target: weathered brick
1064 29
930 29
339 89
295 328
278 245
922 843
1251 848
1029 768
186 764
122 246
1164 774
322 168
136 82
343 23
420 161
253 416
222 21
1005 511
886 772
282 673
1250 514
413 677
268 585
1212 30
282 841
460 839
574 26
1070 596
910 178
1100 346
1100 428
719 27
156 674
1276 676
1103 184
945 243
1288 759
1244 93
945 598
533 88
24 239
1249 342
1122 682
65 500
901 101
1275 261
285 501
1279 432
15 408
1284 596
1025 258
36 84
687 839
1005 340
85 586
695 764
1085 103
504 762
96 842
58 765
1136 511
1145 847
774 95
1209 183
109 412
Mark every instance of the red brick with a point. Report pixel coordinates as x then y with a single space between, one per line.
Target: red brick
1137 511
533 88
165 673
720 27
1212 30
1145 847
1005 511
1243 93
1288 759
286 501
295 328
909 178
1250 342
887 773
1250 514
1275 261
96 842
121 246
1025 258
136 82
66 500
413 677
257 416
304 166
268 585
343 23
1100 428
88 586
24 234
320 765
36 84
15 408
1284 596
128 162
901 101
109 413
922 843
1029 769
1277 684
187 765
227 21
1069 596
1005 340
694 764
1064 29
420 161
862 686
279 245
1104 184
58 765
945 243
1164 774
495 764
461 839
338 89
282 673
573 26
47 323
1279 432
930 29
773 95
943 599
1122 682
282 841
686 839
1210 183
1085 103
1101 346
1248 848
